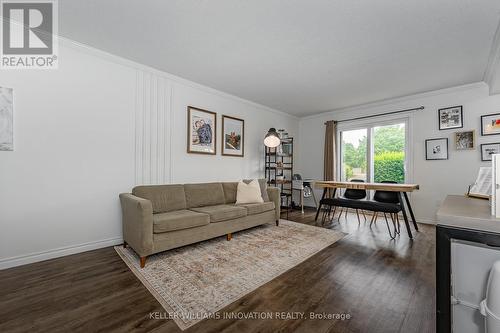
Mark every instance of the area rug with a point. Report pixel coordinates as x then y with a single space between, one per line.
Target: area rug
194 282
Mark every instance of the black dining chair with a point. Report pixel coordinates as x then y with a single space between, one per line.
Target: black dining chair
391 198
349 194
354 194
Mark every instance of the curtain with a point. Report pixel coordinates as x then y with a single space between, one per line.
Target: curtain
330 165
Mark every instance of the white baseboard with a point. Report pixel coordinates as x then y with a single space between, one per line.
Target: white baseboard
56 253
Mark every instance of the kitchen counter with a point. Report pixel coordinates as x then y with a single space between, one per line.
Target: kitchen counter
470 213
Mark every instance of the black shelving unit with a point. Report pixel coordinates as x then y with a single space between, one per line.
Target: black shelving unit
279 162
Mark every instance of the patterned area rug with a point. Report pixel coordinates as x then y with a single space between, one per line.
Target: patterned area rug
195 281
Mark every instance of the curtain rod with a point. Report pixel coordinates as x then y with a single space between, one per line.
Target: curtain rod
381 114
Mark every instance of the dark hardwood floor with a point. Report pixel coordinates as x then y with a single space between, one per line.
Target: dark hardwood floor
384 285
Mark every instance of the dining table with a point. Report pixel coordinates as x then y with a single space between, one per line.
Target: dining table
401 189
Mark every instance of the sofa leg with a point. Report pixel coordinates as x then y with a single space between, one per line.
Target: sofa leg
124 244
229 236
143 262
277 222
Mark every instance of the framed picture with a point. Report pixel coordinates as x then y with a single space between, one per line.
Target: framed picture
436 149
6 120
488 149
490 124
451 117
233 136
201 131
465 140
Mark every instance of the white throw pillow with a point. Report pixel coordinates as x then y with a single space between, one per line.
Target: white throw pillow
248 193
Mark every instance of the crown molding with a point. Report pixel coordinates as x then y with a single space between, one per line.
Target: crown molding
402 99
176 79
492 72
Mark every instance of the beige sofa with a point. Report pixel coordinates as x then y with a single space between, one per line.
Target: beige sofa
162 217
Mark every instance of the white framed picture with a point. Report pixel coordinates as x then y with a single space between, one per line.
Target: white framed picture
436 149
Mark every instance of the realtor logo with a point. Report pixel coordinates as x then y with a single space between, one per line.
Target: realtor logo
28 30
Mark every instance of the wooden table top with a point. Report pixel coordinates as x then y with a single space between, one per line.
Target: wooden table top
368 186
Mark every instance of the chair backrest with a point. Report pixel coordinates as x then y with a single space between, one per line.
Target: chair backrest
353 193
386 196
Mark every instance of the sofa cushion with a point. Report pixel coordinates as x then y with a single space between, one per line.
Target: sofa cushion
177 220
200 195
230 189
221 213
164 198
249 193
263 188
257 208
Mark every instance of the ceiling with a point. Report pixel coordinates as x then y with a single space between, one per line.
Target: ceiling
300 57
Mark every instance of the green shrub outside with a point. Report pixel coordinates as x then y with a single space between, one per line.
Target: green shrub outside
389 166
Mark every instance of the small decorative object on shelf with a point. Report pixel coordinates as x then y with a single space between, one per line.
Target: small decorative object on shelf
279 168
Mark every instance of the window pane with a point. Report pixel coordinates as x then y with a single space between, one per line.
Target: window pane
389 154
354 151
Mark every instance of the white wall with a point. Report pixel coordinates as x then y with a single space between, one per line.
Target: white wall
436 178
94 128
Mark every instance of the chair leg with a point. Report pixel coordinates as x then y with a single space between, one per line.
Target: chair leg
326 215
397 223
388 228
143 261
341 210
323 216
374 218
364 216
357 214
346 210
393 218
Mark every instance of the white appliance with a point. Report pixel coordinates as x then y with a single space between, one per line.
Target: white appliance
490 306
471 264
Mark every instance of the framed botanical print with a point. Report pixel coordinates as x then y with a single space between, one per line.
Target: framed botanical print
465 140
490 124
233 136
451 117
488 149
436 149
201 131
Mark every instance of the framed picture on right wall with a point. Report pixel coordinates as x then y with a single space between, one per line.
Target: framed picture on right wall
488 149
490 124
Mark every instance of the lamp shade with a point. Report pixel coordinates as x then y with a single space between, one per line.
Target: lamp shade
272 138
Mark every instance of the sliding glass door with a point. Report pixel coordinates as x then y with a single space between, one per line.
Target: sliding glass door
375 152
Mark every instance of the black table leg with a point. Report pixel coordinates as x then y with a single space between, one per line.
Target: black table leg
411 211
403 209
320 203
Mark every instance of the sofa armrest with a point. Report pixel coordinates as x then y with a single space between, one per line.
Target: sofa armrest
274 196
137 222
